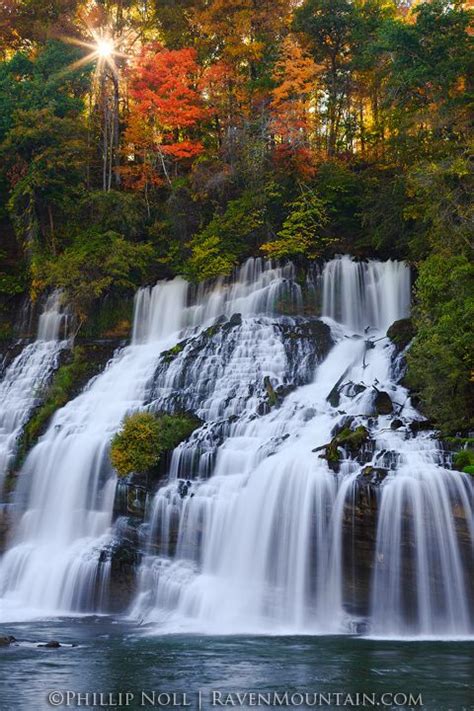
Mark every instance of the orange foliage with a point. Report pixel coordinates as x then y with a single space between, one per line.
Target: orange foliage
293 105
240 30
166 107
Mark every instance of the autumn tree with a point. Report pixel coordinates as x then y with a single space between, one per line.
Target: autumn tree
244 36
26 21
293 106
166 108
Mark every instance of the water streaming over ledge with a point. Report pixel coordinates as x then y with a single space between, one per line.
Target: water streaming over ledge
248 534
26 375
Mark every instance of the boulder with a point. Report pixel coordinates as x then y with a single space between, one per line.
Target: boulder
401 333
351 441
383 403
420 426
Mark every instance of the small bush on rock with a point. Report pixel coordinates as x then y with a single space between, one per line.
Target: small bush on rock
144 437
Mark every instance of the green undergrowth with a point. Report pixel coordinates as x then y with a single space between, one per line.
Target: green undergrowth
464 461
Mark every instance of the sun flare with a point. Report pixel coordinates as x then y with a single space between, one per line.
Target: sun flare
105 48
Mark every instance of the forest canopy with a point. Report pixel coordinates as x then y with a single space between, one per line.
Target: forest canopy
141 140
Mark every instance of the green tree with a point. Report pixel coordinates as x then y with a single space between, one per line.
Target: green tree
216 250
94 263
440 361
44 157
440 204
44 81
328 25
428 77
302 234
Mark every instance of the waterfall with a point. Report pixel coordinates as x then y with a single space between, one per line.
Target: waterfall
25 377
366 295
54 563
253 529
417 530
54 560
248 534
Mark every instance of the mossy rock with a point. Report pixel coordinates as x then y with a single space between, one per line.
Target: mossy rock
374 475
172 353
420 426
77 368
350 440
401 333
272 395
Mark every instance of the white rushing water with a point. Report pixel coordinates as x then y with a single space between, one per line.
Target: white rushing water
249 534
54 562
249 537
26 376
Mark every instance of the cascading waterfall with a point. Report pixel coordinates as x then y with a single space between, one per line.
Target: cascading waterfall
28 373
417 531
54 562
248 534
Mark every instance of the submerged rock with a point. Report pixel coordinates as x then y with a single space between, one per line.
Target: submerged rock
6 640
53 644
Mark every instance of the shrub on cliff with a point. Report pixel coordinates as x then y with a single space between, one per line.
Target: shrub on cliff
143 439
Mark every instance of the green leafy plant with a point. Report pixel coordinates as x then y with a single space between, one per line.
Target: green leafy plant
464 461
95 262
302 233
145 437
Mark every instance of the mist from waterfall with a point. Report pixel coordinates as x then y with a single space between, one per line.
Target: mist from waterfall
26 376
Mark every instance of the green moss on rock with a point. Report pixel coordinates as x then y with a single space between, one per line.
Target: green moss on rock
351 441
61 389
172 353
78 367
138 447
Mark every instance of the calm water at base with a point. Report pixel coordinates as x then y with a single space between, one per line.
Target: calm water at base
112 656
